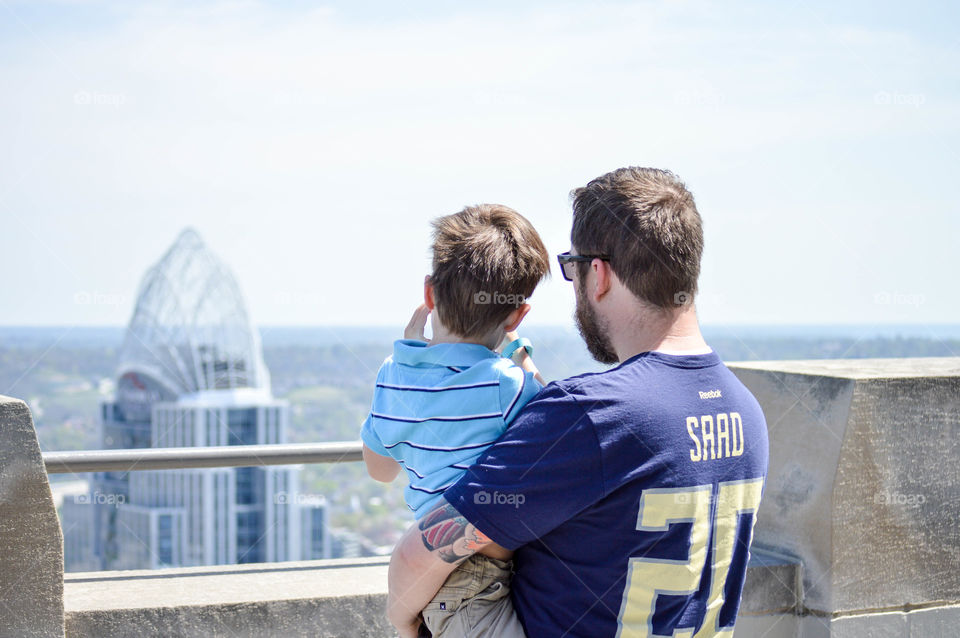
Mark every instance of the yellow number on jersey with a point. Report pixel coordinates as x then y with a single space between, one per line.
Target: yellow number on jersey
647 577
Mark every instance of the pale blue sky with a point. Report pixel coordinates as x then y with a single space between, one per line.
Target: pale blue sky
311 144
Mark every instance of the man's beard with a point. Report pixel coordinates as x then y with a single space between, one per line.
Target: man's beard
593 331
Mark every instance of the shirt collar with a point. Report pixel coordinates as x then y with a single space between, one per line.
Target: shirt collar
412 352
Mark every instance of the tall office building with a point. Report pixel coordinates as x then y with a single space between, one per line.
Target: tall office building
192 374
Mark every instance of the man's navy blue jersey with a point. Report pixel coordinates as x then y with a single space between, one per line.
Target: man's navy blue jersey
629 496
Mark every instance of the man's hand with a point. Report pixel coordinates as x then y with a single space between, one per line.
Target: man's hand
409 631
418 322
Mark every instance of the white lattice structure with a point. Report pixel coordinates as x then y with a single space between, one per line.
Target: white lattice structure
190 330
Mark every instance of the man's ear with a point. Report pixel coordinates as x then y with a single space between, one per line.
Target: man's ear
428 293
604 276
512 322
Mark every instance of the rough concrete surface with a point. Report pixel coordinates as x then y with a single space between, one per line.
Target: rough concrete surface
31 543
806 422
863 480
337 598
773 584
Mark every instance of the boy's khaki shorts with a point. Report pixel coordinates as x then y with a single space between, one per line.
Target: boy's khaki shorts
474 602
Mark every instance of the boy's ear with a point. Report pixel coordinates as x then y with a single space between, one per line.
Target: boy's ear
512 322
428 293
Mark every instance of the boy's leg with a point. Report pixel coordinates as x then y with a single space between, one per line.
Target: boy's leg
475 602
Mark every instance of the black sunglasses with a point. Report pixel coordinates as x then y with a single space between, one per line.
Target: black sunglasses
566 259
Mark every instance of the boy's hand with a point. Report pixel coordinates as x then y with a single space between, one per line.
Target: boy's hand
508 338
418 322
521 357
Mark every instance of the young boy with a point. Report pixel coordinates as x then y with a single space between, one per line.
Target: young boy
439 404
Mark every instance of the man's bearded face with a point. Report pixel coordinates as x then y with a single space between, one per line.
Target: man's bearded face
593 329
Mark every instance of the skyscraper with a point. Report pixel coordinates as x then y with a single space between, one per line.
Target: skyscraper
191 374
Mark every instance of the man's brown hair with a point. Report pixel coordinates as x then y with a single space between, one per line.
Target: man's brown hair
487 260
646 222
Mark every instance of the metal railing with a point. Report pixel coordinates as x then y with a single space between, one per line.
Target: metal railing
173 458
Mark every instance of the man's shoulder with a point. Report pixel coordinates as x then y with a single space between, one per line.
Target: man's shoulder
579 384
587 383
642 379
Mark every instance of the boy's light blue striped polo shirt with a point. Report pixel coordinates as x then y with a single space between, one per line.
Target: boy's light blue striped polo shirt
436 408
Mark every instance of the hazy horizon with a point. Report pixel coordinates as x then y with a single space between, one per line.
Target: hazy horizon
310 146
271 334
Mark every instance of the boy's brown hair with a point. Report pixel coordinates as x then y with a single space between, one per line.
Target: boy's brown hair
487 260
646 222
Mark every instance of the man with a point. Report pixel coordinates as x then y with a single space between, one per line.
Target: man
628 496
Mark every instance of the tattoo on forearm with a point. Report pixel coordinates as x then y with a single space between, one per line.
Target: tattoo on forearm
449 534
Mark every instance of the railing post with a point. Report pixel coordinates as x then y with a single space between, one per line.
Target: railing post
31 543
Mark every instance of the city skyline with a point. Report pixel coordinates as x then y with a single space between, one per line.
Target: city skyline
191 374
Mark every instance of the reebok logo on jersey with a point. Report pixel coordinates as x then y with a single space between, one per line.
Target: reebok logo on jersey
711 394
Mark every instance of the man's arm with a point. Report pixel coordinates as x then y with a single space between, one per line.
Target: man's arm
428 552
546 467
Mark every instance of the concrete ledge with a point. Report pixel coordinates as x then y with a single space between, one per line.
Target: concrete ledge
863 479
31 543
774 584
313 598
907 368
329 598
920 623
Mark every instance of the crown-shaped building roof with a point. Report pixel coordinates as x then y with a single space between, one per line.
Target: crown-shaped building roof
190 329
